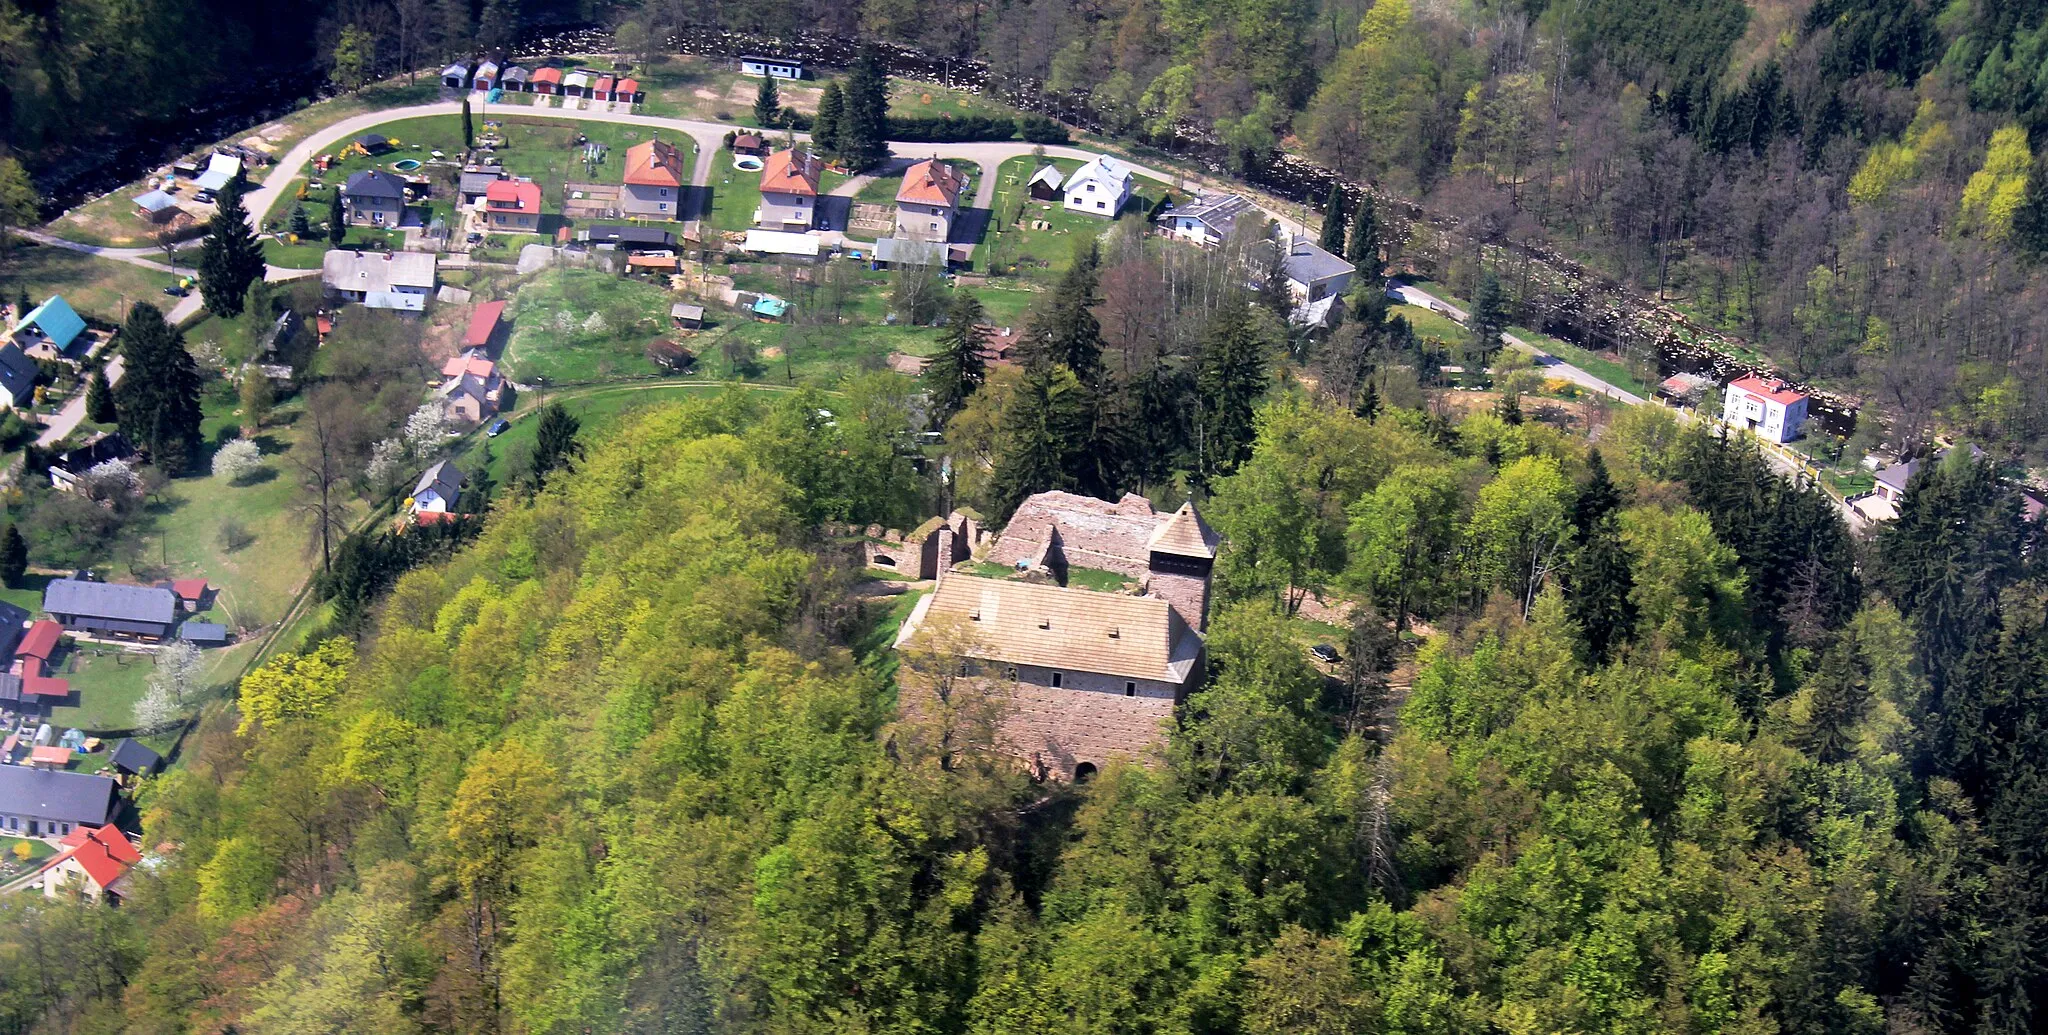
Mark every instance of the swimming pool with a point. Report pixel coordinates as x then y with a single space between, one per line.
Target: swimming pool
406 164
747 163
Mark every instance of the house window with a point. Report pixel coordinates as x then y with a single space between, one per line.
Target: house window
1091 188
662 205
664 192
935 226
1057 678
1130 689
1100 205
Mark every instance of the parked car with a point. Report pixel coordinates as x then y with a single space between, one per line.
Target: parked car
174 291
1324 653
498 428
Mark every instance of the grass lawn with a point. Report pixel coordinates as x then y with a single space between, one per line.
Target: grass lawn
873 646
1015 247
573 324
597 409
909 99
735 193
94 286
1849 484
13 866
880 191
107 682
1610 371
1428 323
306 254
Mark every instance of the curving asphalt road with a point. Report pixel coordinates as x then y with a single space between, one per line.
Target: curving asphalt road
1415 296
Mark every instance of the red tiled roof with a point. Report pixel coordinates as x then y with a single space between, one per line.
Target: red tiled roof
513 196
931 182
482 323
1775 390
792 172
104 854
476 365
41 640
189 589
629 87
45 686
546 75
655 163
52 755
604 84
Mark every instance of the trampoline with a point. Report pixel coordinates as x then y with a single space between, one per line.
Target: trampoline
406 164
747 163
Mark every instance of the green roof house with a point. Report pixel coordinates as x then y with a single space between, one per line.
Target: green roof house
50 330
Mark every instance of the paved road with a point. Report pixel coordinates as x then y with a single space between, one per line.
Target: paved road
1551 364
73 412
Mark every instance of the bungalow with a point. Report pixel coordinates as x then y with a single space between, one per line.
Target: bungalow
483 325
373 197
391 280
602 89
455 76
513 206
1312 273
157 206
438 489
135 758
749 144
39 802
896 252
49 331
470 187
929 200
486 76
1207 221
514 79
221 170
652 181
112 608
68 468
1769 407
627 90
576 84
547 81
779 68
1045 183
18 375
789 184
1099 188
629 236
92 865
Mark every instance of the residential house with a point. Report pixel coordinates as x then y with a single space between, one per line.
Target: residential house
789 191
1087 675
547 81
514 79
749 144
897 252
92 865
485 76
475 180
373 197
1685 389
18 375
627 236
779 68
1312 273
1208 220
112 608
439 487
69 468
1098 188
929 200
482 331
157 206
39 645
50 331
455 76
13 629
467 398
221 170
512 206
40 802
997 345
1044 184
135 758
653 181
399 281
1769 407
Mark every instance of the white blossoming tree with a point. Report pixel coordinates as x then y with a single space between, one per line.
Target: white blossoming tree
237 460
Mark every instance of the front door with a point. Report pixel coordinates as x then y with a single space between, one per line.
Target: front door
32 832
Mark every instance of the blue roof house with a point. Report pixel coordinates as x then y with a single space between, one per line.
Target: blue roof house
49 330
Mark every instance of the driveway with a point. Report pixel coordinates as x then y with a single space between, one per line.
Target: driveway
73 412
1551 364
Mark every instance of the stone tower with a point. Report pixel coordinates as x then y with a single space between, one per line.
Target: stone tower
1182 552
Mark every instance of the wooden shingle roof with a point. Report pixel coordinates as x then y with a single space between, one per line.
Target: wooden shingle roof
1185 534
1021 623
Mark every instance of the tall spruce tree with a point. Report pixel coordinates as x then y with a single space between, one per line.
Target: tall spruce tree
1064 328
1332 240
99 400
468 127
157 401
230 258
1598 498
958 370
13 556
1598 584
1487 320
1362 251
768 104
863 131
1231 381
1044 427
825 125
337 221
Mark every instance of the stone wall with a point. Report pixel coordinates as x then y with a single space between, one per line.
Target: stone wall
1086 720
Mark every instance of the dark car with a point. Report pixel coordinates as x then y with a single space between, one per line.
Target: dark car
174 291
498 429
1324 653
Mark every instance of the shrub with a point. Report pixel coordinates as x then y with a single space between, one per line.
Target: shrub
237 460
1037 129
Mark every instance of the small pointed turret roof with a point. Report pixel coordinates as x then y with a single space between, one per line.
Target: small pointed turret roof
1185 534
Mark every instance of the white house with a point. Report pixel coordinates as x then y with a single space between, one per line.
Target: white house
1769 407
779 68
387 280
1312 273
1099 188
438 489
1208 220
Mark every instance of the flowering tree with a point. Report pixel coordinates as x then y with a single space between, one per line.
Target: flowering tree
237 460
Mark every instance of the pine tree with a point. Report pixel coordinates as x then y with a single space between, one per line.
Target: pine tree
300 224
1598 584
825 126
468 128
1368 406
1363 250
1045 425
1064 329
768 104
555 446
1509 409
2030 220
337 221
230 258
1333 220
958 370
99 400
1231 381
1833 704
1597 499
1487 320
157 402
13 556
863 130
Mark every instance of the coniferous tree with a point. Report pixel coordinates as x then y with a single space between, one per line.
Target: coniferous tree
1332 239
1043 428
99 400
1362 251
863 130
13 556
1509 409
1368 405
157 401
1598 584
337 221
2030 220
1231 381
1598 498
468 128
1487 320
555 446
300 223
825 126
958 370
1065 330
768 104
230 258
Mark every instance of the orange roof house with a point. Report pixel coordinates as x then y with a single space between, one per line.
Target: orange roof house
475 366
931 182
482 324
655 163
792 172
513 205
93 861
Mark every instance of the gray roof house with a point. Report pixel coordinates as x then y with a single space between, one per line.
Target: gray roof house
112 608
1207 220
38 802
438 489
374 197
13 626
380 280
1312 273
475 182
133 756
18 375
